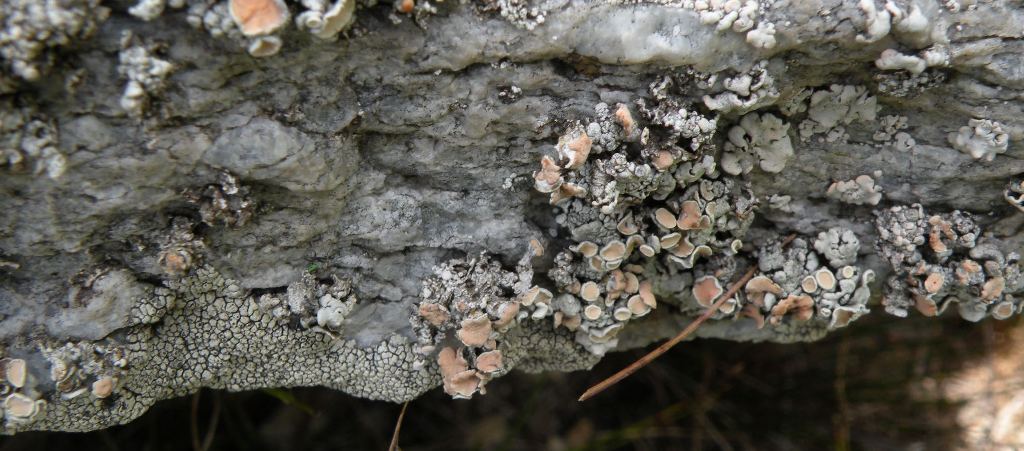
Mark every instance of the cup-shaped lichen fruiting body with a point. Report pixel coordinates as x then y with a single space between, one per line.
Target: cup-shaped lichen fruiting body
258 17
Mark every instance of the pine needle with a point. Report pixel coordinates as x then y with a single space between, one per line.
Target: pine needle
692 327
398 428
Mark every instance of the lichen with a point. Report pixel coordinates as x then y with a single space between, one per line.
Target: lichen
29 141
226 202
794 282
325 20
146 75
31 31
862 190
906 85
830 109
840 246
645 210
180 249
520 13
745 92
982 139
891 59
310 303
942 259
1014 194
461 317
151 9
257 25
216 335
761 139
877 22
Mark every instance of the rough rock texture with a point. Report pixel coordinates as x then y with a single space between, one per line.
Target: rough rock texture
181 214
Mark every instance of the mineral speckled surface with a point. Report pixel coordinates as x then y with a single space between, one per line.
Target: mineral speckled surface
387 197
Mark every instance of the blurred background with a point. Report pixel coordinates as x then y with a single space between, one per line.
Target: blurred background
882 384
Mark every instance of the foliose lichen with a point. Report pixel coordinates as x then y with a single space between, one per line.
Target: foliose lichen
981 139
31 30
943 259
29 141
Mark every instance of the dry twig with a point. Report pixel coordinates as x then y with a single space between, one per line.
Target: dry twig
692 327
398 427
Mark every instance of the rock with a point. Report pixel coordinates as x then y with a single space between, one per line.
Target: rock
165 193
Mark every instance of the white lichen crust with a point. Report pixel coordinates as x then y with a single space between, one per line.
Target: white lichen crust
217 336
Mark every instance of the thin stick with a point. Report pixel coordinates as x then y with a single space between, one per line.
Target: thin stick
647 359
194 422
398 427
211 429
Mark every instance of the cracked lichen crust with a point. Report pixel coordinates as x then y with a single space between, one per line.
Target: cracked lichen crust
217 336
208 332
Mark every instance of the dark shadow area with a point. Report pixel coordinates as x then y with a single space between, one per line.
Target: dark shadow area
874 386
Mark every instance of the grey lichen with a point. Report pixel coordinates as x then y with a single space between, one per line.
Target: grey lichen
891 59
981 139
137 267
859 191
794 282
326 20
215 334
214 18
463 312
226 202
310 303
151 9
180 249
1014 194
745 91
840 246
906 85
943 259
29 141
829 110
690 224
761 139
145 73
892 133
251 23
31 31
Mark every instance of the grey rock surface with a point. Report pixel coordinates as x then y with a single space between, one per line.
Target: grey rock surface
362 211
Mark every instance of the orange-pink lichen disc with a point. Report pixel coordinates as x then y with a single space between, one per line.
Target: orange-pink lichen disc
256 17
